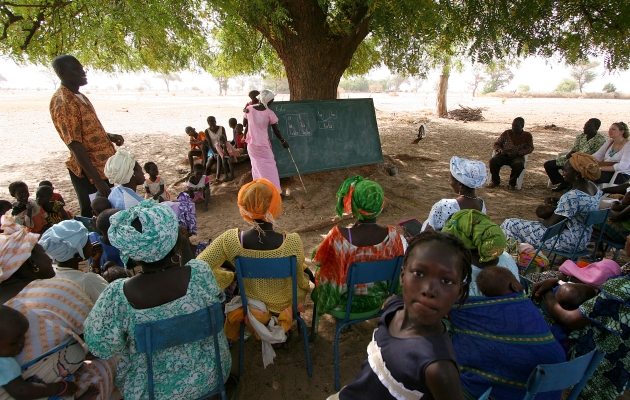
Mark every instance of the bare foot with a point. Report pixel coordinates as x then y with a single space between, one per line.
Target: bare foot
90 394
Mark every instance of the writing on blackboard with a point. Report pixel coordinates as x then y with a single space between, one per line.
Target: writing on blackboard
297 125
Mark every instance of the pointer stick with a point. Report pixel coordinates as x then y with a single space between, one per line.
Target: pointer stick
298 171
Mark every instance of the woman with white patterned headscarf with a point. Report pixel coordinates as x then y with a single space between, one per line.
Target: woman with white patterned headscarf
123 170
258 117
466 176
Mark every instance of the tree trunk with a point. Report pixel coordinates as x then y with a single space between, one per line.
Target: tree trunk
441 109
311 53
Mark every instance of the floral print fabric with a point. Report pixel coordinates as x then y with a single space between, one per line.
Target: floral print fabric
181 372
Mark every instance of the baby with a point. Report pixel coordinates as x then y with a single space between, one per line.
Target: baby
570 296
497 281
545 211
13 328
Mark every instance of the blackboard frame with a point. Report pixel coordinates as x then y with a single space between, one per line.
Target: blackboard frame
326 135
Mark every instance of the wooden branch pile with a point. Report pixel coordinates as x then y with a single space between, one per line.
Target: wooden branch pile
466 114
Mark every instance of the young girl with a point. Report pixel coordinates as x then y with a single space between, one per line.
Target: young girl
226 151
26 212
411 353
240 139
55 212
198 186
154 184
56 196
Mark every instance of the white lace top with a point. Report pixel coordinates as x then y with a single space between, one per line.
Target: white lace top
442 211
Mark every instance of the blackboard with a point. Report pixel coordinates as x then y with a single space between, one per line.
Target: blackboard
326 135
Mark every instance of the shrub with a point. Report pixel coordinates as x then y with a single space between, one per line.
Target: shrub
567 85
523 88
609 88
490 87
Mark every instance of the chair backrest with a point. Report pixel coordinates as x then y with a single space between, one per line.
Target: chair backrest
551 377
597 217
266 268
552 231
175 331
372 271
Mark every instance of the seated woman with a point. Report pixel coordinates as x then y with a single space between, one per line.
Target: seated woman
123 170
466 176
365 241
149 234
614 155
486 329
573 207
486 242
260 204
600 322
56 309
67 244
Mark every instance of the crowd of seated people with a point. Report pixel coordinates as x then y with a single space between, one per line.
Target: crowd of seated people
66 288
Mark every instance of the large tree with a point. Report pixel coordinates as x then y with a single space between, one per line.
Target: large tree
316 40
583 74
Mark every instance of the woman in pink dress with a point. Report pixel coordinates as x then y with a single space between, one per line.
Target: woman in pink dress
259 117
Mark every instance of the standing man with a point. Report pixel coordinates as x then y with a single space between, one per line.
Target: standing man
511 148
78 126
588 142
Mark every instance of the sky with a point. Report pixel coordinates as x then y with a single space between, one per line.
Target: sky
539 74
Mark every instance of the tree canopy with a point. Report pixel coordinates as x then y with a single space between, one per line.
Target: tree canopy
314 41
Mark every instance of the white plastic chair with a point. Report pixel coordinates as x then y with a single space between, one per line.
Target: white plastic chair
612 180
521 177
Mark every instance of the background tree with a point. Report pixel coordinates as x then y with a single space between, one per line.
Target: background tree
608 88
523 88
497 76
567 86
477 78
2 78
583 74
317 41
167 79
51 76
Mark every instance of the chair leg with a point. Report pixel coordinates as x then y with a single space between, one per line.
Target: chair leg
241 349
336 347
314 322
306 345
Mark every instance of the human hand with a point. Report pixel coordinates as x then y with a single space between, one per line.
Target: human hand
103 189
568 155
156 197
68 388
542 287
285 144
97 251
551 201
116 139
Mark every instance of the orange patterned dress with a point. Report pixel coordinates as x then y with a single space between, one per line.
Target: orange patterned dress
333 258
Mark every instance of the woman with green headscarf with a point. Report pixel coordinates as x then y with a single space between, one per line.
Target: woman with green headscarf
364 241
486 241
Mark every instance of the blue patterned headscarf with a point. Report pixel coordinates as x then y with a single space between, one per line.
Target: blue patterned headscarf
64 239
158 237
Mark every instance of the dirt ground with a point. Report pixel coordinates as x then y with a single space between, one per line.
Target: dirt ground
153 126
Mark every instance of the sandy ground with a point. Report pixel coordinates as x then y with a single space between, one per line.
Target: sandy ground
153 126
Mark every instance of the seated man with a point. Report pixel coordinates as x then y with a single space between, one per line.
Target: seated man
511 148
588 142
499 340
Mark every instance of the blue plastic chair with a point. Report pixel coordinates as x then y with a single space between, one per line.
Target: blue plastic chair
598 217
358 273
612 244
551 232
175 331
576 373
485 394
269 268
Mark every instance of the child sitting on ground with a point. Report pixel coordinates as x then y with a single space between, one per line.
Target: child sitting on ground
55 212
197 146
56 196
198 186
497 282
13 328
154 184
99 205
5 206
435 274
26 212
226 152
